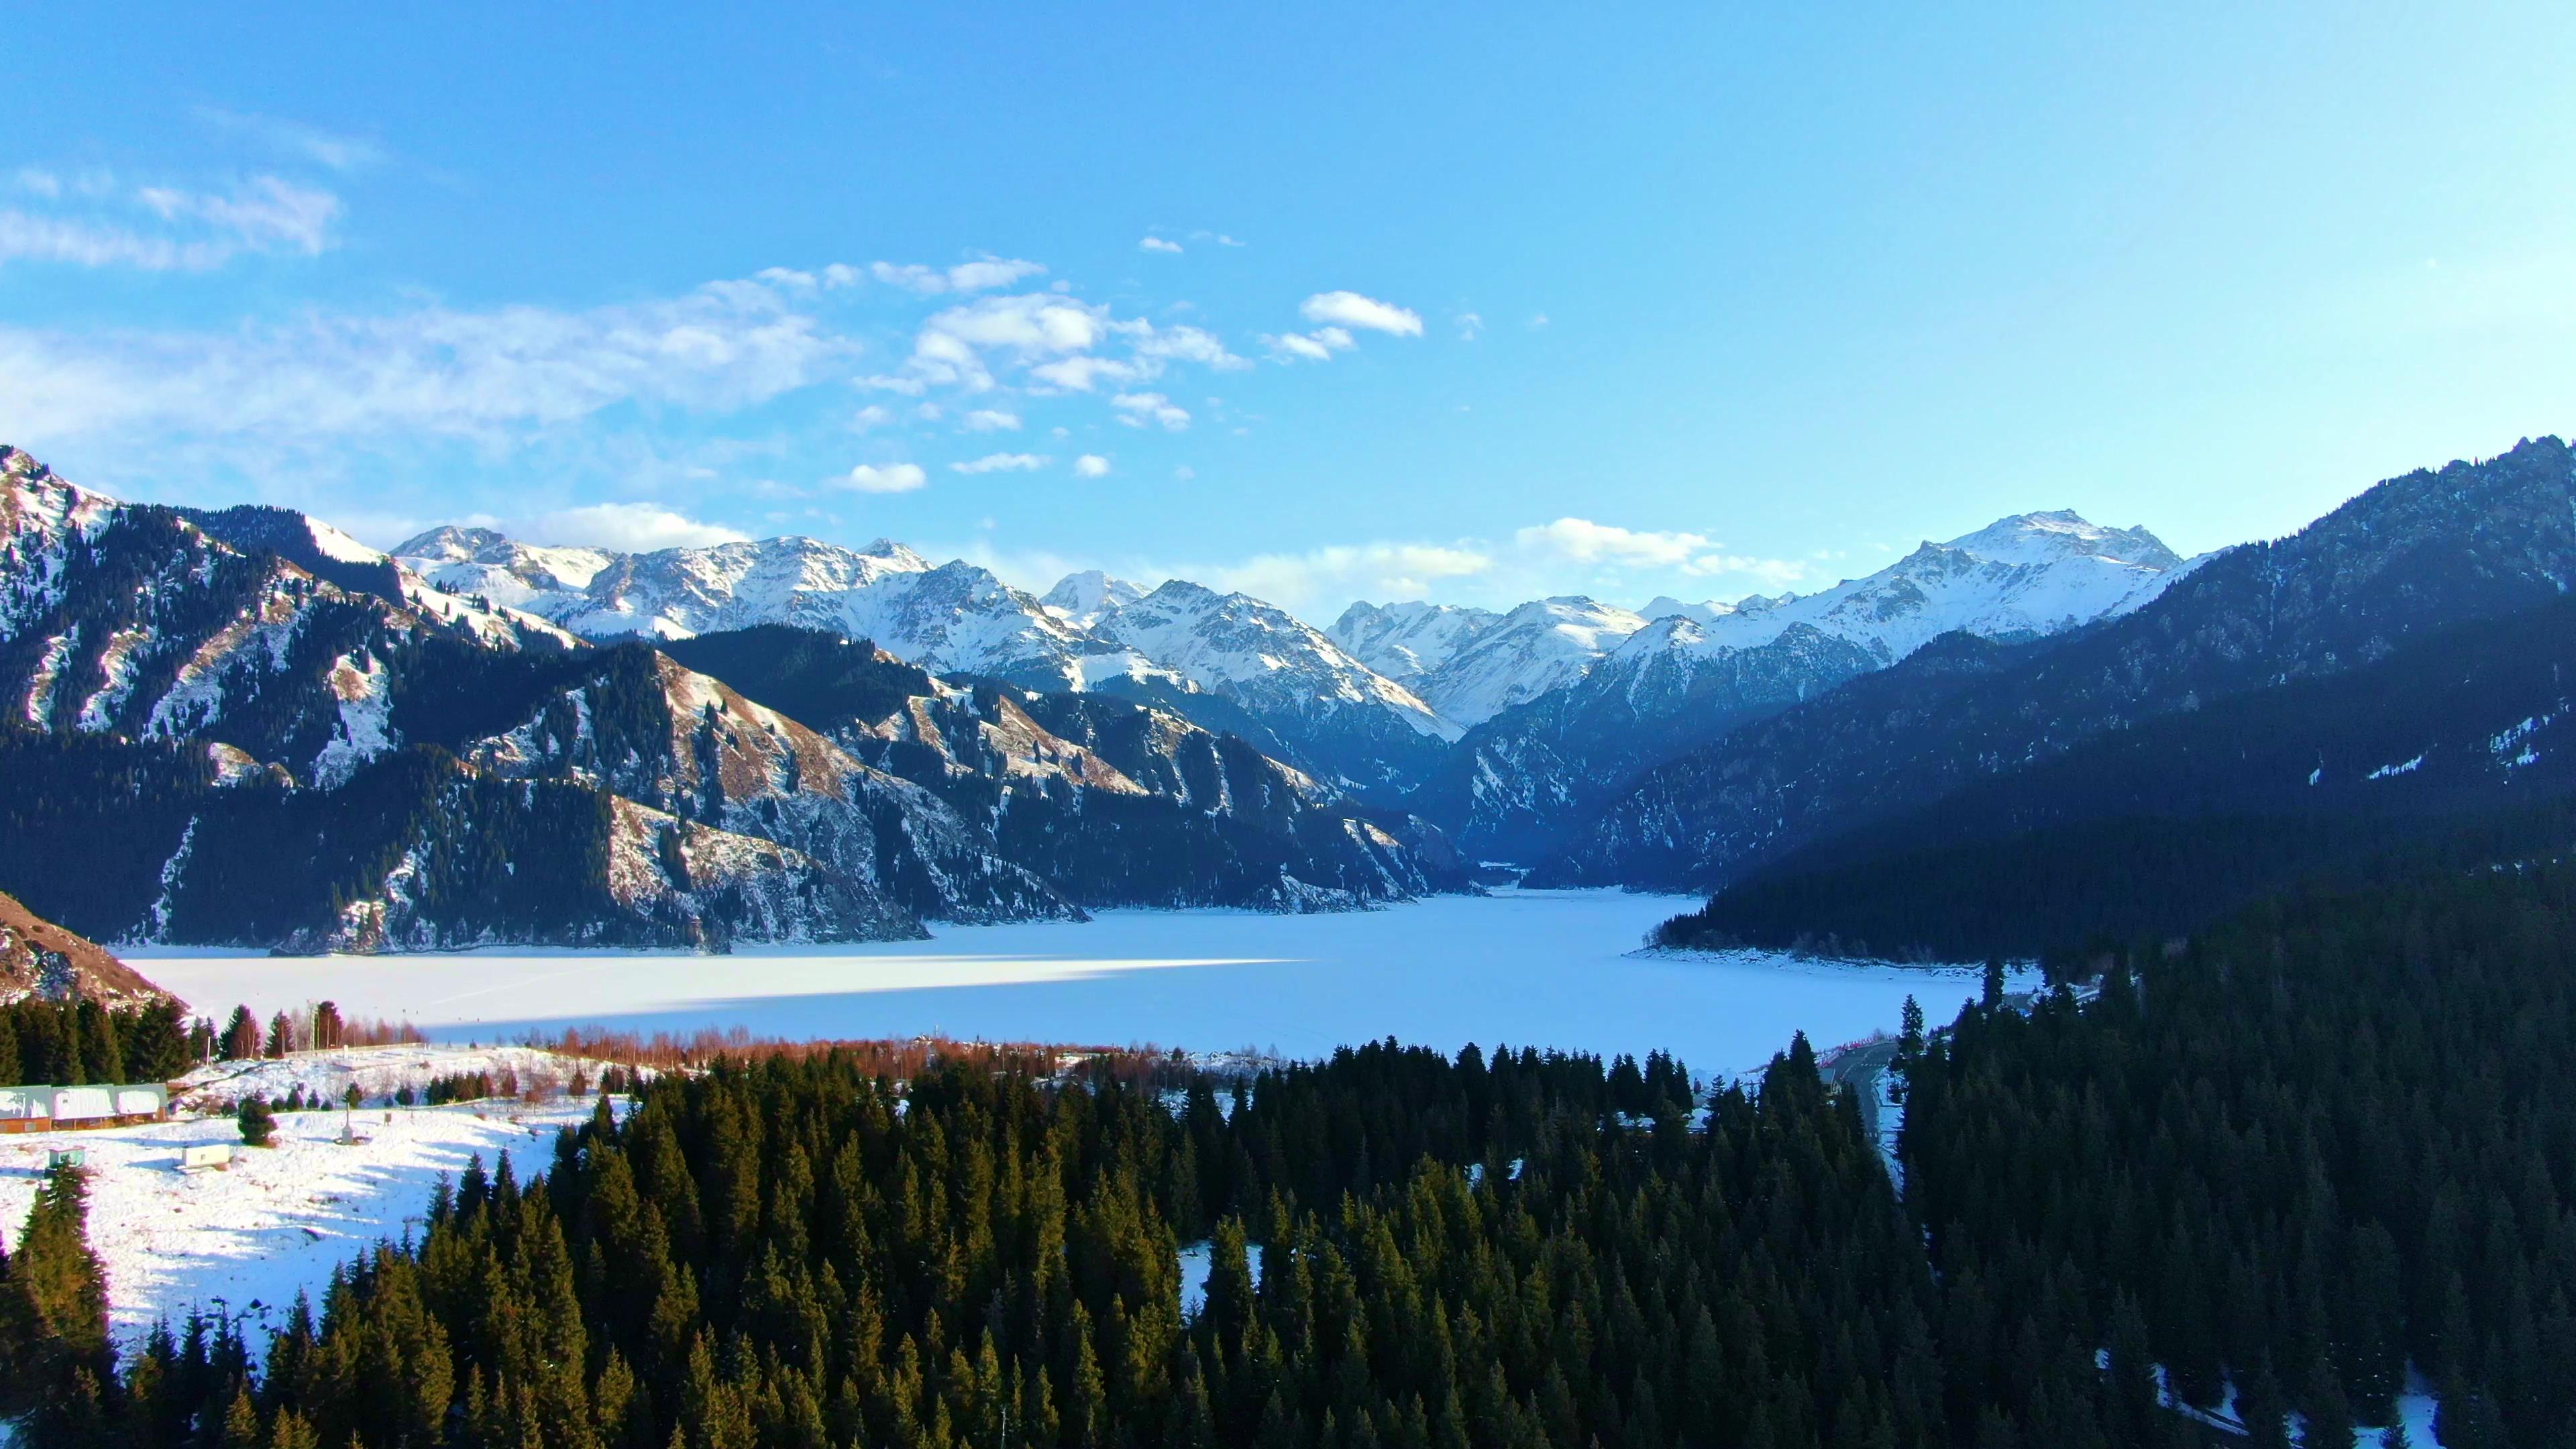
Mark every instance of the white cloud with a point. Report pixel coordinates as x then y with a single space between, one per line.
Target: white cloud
1059 341
1179 344
199 230
477 374
1470 326
981 275
892 478
327 148
1002 463
43 183
874 415
1218 237
1332 576
1157 244
1316 346
1775 573
625 527
1082 374
992 420
1138 408
1350 309
1091 465
1582 541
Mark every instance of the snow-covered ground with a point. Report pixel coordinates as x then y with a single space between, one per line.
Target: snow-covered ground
1546 968
280 1218
377 1072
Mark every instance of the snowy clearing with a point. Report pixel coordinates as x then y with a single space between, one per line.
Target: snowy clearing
1545 968
378 1072
280 1218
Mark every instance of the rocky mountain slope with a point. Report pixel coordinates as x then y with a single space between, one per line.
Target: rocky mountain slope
41 959
1470 664
1334 716
2460 743
1517 782
2411 555
248 728
1110 802
1231 662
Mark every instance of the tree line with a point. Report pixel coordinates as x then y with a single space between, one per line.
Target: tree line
2272 1170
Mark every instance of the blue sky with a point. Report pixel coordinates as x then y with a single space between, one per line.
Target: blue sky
1470 303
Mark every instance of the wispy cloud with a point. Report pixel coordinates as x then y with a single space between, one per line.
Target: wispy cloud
625 527
186 230
436 370
1582 541
992 420
1050 340
1350 309
1001 463
886 478
1136 409
1159 244
980 275
1091 465
294 138
1316 346
1327 578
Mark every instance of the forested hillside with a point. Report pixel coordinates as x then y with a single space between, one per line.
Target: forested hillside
2408 558
2322 1143
2333 1137
2453 748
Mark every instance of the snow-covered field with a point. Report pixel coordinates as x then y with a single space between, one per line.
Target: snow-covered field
1546 968
280 1218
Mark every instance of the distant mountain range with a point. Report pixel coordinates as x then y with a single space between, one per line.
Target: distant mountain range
789 739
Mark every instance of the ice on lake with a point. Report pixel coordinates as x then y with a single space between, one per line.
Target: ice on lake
1546 968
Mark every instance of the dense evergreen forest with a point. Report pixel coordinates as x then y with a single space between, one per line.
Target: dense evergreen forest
2326 1142
2442 751
2334 1136
79 1042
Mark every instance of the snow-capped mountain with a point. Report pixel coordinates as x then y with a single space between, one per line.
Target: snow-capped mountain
2401 561
1080 599
1409 641
1336 716
317 747
1229 661
485 563
951 618
1542 645
1697 671
2033 573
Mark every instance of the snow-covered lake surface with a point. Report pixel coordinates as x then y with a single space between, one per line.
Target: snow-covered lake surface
1545 968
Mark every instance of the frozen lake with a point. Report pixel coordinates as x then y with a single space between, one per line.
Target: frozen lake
1544 968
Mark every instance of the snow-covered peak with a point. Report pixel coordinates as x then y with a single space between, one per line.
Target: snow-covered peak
1665 606
898 558
1081 598
1259 654
450 543
36 500
2033 573
1519 656
2047 538
485 563
1407 641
